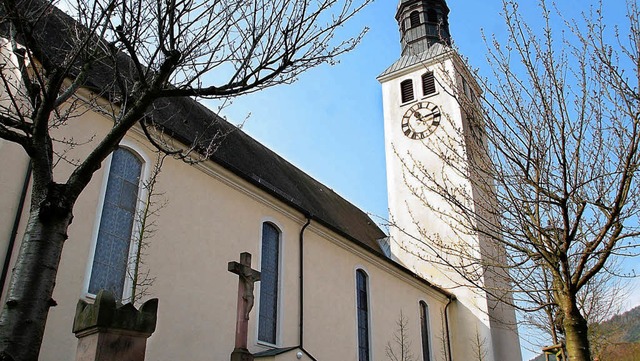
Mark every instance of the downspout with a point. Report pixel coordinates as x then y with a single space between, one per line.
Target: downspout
301 289
301 283
14 229
446 326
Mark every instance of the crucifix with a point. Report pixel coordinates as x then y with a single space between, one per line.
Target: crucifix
247 278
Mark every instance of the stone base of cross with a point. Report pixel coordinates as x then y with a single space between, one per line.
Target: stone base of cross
247 278
241 354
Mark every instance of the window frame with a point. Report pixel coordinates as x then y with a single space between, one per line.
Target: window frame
134 244
414 19
422 83
367 284
278 292
425 330
402 92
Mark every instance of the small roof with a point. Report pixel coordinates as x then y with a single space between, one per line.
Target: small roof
406 61
275 351
402 3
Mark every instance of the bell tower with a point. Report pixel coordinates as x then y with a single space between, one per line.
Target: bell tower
422 24
427 94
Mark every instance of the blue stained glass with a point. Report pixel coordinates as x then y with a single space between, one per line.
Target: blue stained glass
113 190
118 163
108 219
96 279
116 224
129 196
131 171
119 251
268 313
124 223
102 252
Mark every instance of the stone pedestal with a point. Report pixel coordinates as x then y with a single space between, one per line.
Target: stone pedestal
107 331
241 354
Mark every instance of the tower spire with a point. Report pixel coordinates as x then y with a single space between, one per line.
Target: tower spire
422 23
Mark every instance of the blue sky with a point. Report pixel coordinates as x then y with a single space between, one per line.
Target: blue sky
329 123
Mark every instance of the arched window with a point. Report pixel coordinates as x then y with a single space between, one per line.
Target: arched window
432 16
270 259
424 326
428 83
113 243
414 18
406 90
362 295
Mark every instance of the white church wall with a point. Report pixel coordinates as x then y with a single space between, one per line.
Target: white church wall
422 218
390 292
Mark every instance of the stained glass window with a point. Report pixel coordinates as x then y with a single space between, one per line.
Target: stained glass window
111 256
268 313
363 315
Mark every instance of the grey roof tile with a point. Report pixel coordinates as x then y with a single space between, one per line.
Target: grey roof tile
406 61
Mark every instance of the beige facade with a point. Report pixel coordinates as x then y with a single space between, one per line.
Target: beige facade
210 217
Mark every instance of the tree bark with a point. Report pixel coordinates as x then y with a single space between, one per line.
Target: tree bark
29 296
576 335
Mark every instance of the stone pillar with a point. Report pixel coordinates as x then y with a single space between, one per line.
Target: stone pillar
107 331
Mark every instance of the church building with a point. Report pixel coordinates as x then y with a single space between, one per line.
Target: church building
334 286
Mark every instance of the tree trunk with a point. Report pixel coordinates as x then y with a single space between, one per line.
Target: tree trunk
576 335
30 292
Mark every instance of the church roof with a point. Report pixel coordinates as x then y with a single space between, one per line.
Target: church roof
185 120
423 57
263 168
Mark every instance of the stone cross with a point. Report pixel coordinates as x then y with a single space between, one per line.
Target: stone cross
247 278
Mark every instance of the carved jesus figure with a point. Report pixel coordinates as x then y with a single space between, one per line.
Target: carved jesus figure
248 281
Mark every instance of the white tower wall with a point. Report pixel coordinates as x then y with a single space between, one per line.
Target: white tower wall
421 217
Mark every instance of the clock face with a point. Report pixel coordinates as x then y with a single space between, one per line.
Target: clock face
420 120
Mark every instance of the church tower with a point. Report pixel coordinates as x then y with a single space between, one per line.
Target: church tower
431 139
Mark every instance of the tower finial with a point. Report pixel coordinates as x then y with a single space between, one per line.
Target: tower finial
422 24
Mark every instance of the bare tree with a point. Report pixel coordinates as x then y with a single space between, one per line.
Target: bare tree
600 299
153 202
400 348
443 338
128 60
479 345
551 151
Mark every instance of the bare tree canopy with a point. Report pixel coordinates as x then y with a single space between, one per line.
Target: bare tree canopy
129 60
552 151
